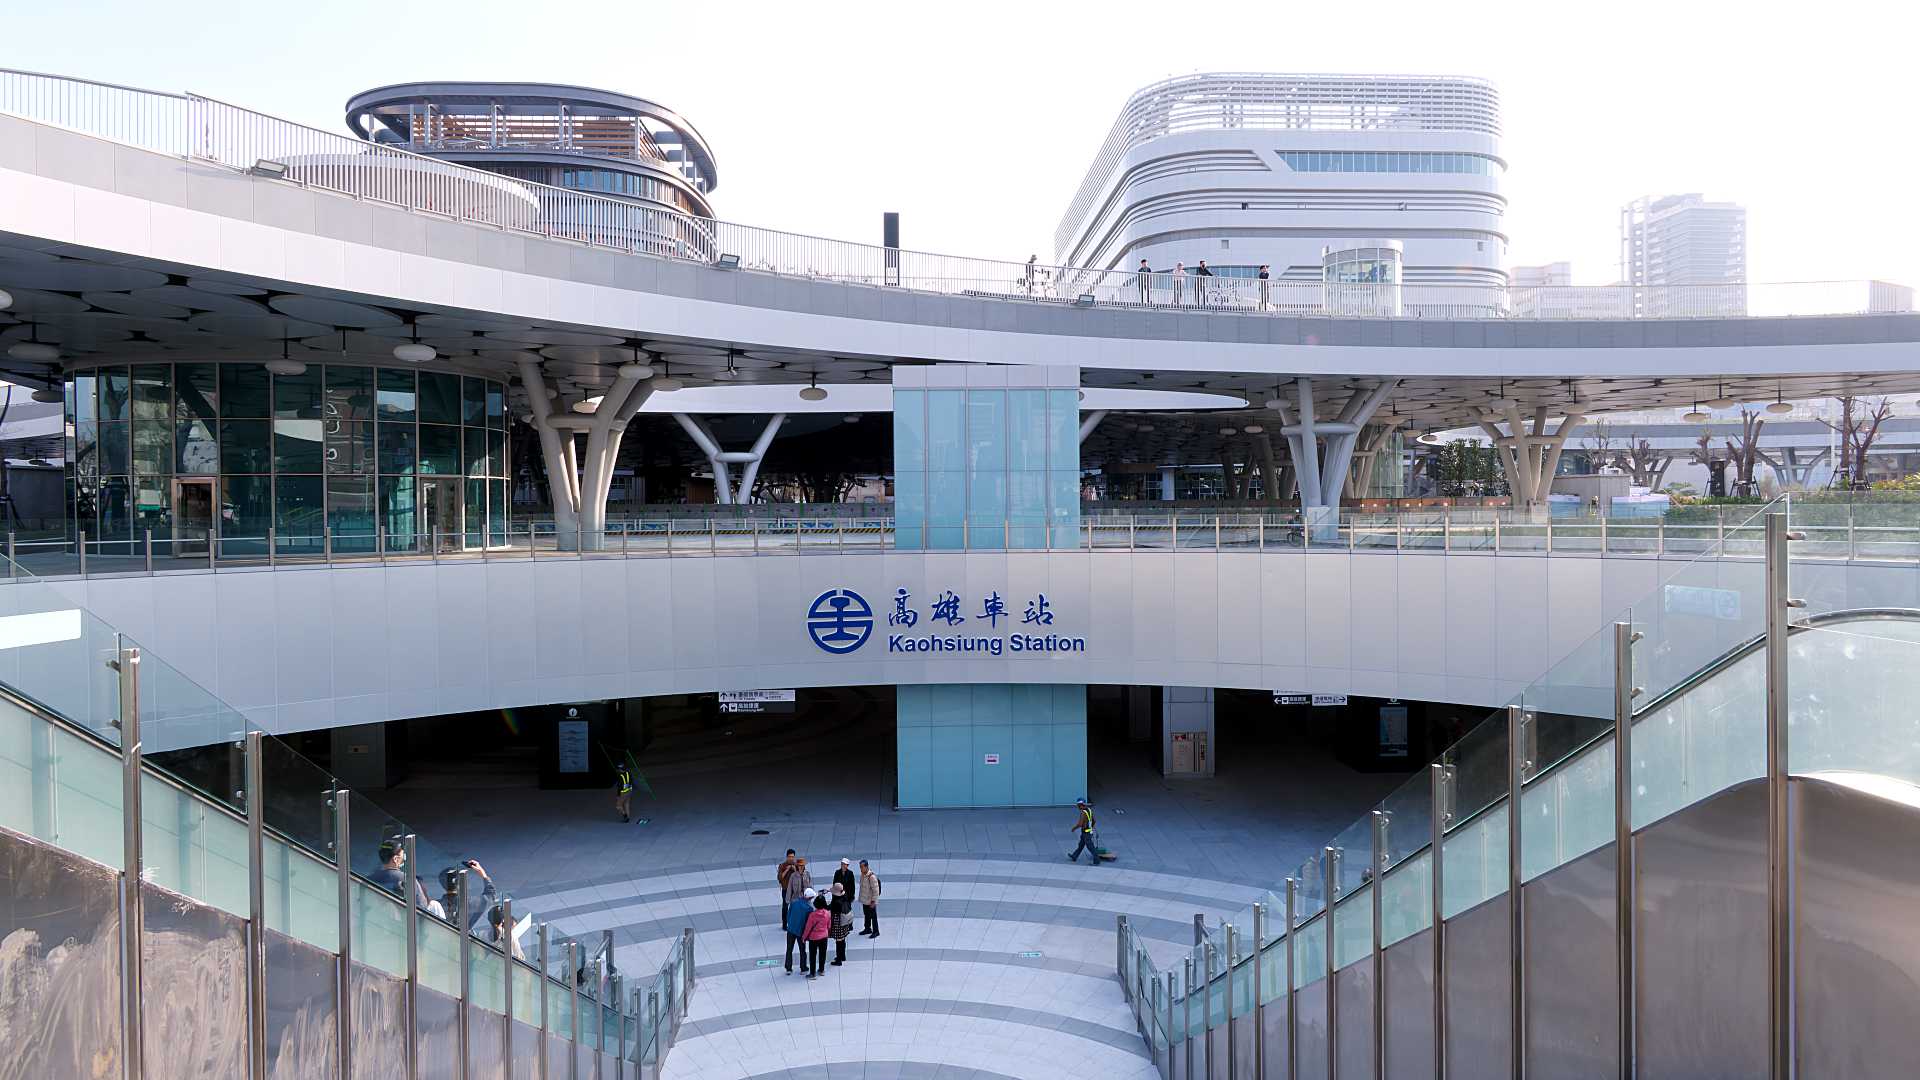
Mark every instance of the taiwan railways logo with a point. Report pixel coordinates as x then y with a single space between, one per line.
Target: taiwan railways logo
840 621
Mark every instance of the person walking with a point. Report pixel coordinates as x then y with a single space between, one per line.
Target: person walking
1179 281
796 926
1266 283
623 791
869 901
1144 277
781 874
842 911
1083 824
1199 284
819 923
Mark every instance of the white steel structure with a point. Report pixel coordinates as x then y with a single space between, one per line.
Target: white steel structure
1684 240
1245 170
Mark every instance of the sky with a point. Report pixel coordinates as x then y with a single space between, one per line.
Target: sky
977 121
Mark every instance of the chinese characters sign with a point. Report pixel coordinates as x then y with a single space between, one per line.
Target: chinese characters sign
840 621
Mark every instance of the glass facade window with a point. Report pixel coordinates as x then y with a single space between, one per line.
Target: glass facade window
1400 161
334 447
985 467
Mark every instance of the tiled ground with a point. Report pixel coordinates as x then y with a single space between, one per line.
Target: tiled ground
946 991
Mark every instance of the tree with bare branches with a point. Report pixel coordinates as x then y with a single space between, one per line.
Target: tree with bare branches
1858 428
1646 464
1599 445
1716 465
1744 452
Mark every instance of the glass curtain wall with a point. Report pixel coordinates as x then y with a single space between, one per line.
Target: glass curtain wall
203 454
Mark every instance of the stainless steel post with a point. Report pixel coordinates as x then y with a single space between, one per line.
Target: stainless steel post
149 550
1293 1026
1120 951
83 553
1379 964
1603 532
12 561
686 943
1399 534
343 883
1624 879
1549 534
273 548
1446 529
1442 802
1259 988
1518 763
255 794
546 978
326 543
1780 972
380 541
1660 536
1330 877
132 908
1186 1020
506 983
463 1067
1226 987
620 1017
574 966
1496 532
412 924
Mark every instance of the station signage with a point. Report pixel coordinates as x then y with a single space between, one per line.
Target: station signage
841 621
757 701
1281 697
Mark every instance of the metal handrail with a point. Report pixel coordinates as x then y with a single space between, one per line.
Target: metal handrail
234 137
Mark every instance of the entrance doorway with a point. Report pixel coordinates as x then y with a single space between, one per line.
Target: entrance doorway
440 513
192 517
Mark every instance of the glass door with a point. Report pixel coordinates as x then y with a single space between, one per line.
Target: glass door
440 512
192 517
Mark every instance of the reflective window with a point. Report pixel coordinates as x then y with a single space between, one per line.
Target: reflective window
349 393
115 443
397 448
244 390
299 517
246 512
397 395
473 402
439 449
152 392
349 448
350 513
245 446
196 452
1408 161
296 446
197 390
439 398
297 397
153 447
116 394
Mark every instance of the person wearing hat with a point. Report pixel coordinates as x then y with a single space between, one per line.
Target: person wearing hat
1083 824
796 924
844 877
841 908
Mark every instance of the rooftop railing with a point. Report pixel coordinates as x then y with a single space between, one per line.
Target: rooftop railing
1867 531
206 130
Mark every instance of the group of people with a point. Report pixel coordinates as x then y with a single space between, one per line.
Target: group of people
1202 277
487 916
812 916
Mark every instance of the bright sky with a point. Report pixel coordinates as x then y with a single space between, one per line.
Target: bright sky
977 121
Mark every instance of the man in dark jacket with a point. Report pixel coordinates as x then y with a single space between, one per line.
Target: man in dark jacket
844 878
797 913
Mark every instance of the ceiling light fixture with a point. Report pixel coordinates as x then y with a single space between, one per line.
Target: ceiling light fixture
665 383
412 352
6 299
1253 429
1696 415
729 373
850 418
33 350
589 406
1229 431
1778 406
286 365
1501 401
1723 401
48 395
638 369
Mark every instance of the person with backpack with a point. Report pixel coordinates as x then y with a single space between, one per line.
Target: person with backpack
869 900
1083 824
819 924
796 925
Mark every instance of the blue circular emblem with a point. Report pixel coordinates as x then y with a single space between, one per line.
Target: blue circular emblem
839 620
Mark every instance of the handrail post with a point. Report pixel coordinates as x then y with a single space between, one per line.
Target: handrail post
1293 1023
1399 533
1660 536
1186 1020
1226 988
1438 864
686 996
1625 882
1446 529
1330 877
1780 853
132 906
1120 951
326 544
546 978
412 922
1379 963
83 553
506 983
1549 529
1496 530
1603 533
574 966
343 883
659 1038
618 994
463 1067
1259 986
149 550
255 796
12 561
1518 764
273 548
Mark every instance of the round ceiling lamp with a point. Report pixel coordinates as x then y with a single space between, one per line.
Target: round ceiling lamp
637 369
1501 402
6 299
413 352
814 391
850 418
665 383
589 406
1723 401
1429 438
1696 415
33 350
1778 406
48 395
286 364
1253 429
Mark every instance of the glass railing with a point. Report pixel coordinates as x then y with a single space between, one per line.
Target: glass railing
1868 529
71 686
1699 730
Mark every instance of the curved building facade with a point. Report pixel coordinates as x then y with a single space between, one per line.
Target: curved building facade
571 137
1246 170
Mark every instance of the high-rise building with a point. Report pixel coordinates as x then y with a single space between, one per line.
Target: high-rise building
1245 170
1548 292
1684 256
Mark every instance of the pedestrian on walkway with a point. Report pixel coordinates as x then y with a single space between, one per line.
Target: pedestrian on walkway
796 926
869 900
623 791
1266 283
842 908
844 876
1144 276
819 922
1083 824
780 874
1200 274
1179 280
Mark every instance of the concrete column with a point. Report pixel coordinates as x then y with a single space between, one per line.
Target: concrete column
1530 458
1166 483
554 447
1186 731
600 453
1091 421
759 453
748 460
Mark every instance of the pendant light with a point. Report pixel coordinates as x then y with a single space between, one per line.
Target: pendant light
665 383
33 350
48 394
286 365
6 299
814 391
729 373
1723 401
1502 402
1778 406
637 368
1695 415
412 352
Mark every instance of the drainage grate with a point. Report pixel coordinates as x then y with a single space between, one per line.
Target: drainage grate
760 832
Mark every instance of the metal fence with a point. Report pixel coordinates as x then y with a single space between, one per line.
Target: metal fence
208 130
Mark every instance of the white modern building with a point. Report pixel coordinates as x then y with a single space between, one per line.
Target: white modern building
1245 170
1690 253
1548 292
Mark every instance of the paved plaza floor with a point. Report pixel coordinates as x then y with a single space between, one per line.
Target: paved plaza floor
996 955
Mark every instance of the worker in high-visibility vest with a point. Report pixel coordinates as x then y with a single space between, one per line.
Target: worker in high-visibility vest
623 791
1083 824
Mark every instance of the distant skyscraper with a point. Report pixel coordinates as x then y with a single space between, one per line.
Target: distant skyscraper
1684 256
1548 292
